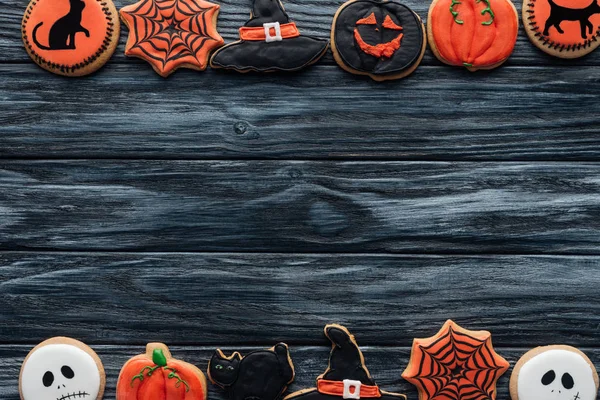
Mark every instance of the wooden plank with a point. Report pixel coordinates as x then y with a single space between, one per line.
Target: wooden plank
438 114
287 206
385 364
257 299
313 17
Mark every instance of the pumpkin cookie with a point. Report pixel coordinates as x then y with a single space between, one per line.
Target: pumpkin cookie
157 375
563 28
172 34
70 37
455 364
383 39
554 372
346 377
62 368
476 34
269 42
261 374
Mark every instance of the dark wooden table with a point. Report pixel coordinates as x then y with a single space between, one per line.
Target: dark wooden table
219 209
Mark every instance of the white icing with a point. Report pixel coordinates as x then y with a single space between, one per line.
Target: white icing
530 386
85 383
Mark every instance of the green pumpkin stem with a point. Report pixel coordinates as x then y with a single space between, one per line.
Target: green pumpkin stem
158 358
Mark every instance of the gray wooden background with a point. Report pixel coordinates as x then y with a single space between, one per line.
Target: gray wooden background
223 210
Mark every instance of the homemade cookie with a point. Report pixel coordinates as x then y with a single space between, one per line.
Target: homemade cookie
476 34
172 34
455 364
261 374
383 39
346 377
563 28
554 372
157 375
62 368
269 42
70 37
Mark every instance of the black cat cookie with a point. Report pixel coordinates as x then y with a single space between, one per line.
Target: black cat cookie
269 42
563 28
346 376
260 375
383 39
70 37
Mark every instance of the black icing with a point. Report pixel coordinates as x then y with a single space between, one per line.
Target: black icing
48 378
567 381
67 372
548 377
405 57
287 55
260 375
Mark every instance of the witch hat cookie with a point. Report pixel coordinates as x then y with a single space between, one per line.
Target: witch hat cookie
455 364
346 376
269 42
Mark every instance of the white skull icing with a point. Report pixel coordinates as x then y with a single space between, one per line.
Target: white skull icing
60 372
557 374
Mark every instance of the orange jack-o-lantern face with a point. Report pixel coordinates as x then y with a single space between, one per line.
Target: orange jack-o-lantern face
382 48
380 38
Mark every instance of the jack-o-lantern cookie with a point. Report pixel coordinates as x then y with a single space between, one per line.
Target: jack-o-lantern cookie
455 364
62 368
269 42
346 377
172 34
476 34
70 37
554 373
261 374
563 28
383 39
157 375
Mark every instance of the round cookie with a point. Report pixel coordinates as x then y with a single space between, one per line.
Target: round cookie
383 39
563 28
476 34
554 373
62 368
70 37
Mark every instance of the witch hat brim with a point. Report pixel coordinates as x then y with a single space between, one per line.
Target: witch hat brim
287 55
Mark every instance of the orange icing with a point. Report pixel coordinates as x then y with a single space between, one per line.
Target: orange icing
572 29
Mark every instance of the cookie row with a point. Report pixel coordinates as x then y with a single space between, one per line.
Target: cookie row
454 364
383 39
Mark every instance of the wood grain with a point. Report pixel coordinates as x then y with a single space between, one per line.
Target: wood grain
257 299
385 364
287 206
437 114
314 17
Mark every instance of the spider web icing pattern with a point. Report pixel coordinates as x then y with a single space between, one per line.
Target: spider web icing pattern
455 366
172 33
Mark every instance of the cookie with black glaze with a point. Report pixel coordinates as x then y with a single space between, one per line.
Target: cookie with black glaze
269 42
379 38
346 376
260 375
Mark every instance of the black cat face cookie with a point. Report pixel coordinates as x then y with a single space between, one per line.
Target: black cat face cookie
260 375
346 376
383 39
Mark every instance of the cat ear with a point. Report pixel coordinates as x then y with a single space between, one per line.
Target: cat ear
218 354
236 356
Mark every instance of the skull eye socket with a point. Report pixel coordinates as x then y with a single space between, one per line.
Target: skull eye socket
370 20
67 372
389 24
567 381
548 377
48 378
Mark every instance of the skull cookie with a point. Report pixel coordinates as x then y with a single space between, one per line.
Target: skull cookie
554 373
62 369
